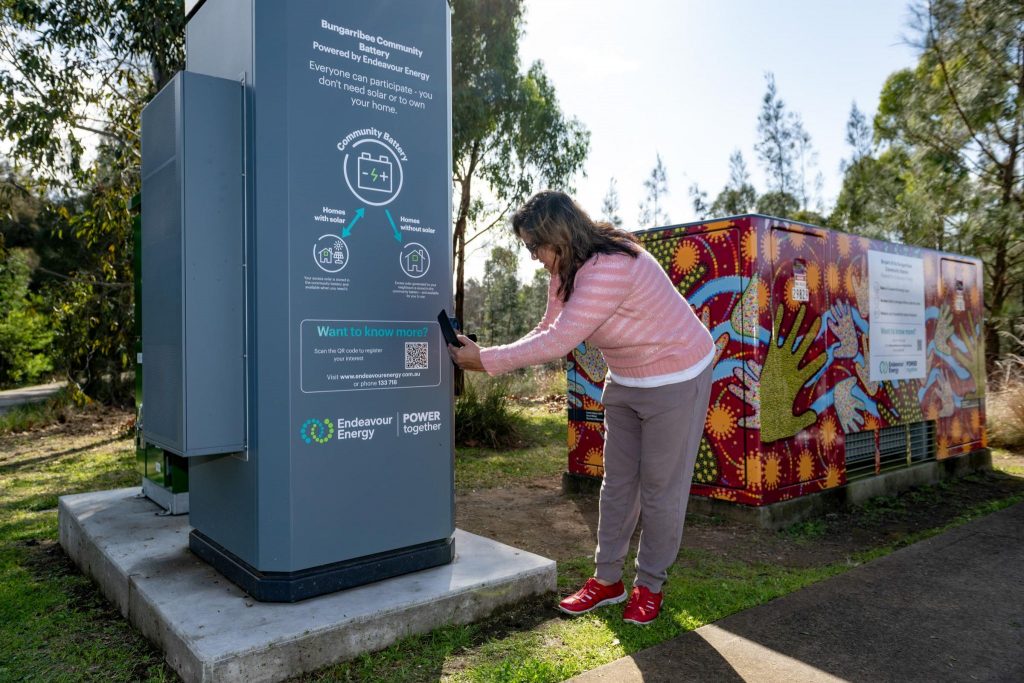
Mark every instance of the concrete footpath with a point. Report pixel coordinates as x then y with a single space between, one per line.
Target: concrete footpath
950 608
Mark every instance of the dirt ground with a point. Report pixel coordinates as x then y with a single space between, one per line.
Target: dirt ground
537 516
80 430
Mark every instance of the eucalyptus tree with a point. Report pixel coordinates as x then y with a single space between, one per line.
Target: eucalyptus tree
610 205
776 146
652 207
738 196
510 137
74 76
959 116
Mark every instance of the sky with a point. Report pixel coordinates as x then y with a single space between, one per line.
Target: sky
685 78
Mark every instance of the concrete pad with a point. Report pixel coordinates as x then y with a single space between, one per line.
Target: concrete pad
210 630
950 608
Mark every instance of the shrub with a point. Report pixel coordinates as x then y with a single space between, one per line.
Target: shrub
25 335
538 381
485 416
1005 405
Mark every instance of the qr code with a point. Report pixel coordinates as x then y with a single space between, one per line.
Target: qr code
415 355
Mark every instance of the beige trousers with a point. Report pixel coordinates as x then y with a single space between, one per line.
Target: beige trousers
651 440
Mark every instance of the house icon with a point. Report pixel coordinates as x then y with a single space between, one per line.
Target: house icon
415 261
326 255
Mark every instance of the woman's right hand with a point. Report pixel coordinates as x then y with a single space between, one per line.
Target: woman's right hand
467 356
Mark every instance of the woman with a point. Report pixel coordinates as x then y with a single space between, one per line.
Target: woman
606 288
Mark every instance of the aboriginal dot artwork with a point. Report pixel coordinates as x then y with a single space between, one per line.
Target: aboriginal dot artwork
788 307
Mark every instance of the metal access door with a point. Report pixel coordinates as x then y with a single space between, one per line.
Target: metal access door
956 375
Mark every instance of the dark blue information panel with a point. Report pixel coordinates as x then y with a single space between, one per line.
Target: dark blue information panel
365 355
369 181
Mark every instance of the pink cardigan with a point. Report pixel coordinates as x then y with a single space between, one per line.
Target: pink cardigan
628 307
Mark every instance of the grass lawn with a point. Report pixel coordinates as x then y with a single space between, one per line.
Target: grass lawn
54 623
55 626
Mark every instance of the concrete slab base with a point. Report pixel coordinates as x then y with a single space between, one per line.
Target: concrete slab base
210 630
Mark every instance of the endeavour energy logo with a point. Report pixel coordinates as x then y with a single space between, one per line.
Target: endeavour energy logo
319 431
365 428
344 429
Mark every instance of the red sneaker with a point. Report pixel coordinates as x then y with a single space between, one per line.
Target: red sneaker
591 596
643 606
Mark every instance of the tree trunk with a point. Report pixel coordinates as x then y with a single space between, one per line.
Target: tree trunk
460 289
998 288
459 246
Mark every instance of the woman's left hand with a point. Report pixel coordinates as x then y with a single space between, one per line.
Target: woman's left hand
468 356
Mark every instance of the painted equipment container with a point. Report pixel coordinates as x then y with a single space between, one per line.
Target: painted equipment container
837 357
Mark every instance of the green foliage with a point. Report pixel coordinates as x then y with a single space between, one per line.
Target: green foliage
652 209
477 467
610 205
807 531
502 308
503 319
509 135
74 71
784 148
25 335
74 76
534 297
952 136
738 196
484 415
776 146
93 309
780 204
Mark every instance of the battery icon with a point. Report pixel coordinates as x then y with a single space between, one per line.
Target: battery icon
374 173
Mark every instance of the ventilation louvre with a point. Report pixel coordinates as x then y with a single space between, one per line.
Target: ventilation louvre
897 446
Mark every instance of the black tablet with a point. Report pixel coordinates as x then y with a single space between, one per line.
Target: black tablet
446 329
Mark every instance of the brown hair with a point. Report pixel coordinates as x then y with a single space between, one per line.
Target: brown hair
553 219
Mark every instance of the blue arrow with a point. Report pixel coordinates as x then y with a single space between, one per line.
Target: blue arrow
398 235
348 228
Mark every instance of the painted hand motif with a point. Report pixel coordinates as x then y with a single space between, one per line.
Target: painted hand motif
947 406
590 359
783 378
748 391
862 369
944 330
973 357
845 329
848 407
744 316
723 339
860 289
